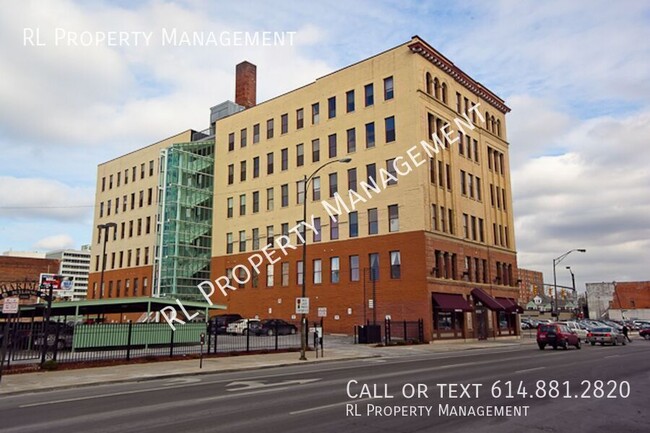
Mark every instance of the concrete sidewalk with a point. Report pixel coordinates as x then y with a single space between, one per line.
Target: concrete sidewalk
39 381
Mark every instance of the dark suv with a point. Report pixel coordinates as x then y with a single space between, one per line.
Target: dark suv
218 324
556 335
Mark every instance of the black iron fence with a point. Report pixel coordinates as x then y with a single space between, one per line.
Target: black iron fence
37 342
394 331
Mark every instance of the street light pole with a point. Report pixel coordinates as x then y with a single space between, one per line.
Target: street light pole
557 261
573 283
106 228
306 182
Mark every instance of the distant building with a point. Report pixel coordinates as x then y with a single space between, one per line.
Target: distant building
25 269
26 254
599 297
75 266
531 284
631 300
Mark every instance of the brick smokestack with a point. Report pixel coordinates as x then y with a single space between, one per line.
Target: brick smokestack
246 84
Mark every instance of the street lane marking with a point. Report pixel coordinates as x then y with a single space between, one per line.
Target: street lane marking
327 406
529 369
245 385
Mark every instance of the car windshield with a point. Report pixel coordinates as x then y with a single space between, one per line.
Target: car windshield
547 328
602 330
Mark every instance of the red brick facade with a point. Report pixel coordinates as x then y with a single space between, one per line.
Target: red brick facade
405 298
25 268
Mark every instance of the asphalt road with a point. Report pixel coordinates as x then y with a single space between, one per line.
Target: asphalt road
365 395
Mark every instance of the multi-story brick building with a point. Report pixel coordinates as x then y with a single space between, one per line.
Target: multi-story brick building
439 240
436 243
531 284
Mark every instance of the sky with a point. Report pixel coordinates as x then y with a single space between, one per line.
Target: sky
575 74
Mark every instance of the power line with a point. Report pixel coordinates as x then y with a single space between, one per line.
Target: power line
47 207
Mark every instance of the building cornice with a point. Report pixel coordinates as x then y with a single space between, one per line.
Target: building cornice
422 48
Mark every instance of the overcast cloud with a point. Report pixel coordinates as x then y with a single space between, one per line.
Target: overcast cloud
576 75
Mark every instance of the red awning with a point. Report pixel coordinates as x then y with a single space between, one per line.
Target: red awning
451 302
487 300
510 304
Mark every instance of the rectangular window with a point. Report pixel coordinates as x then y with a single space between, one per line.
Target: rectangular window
470 185
480 230
334 229
473 228
390 129
108 208
148 225
468 144
229 243
269 235
441 175
300 192
369 94
242 241
124 203
269 163
256 133
141 198
352 140
331 107
133 174
393 218
256 167
458 103
434 217
256 239
466 226
243 137
451 221
370 135
334 270
388 88
242 171
300 118
352 179
269 129
299 272
300 154
395 265
503 196
354 268
334 184
270 280
443 219
315 150
284 123
284 159
139 227
131 228
149 196
331 139
354 224
231 142
316 237
371 173
318 271
448 173
142 171
269 198
285 274
373 224
242 204
231 174
284 191
315 182
315 113
390 167
349 101
373 259
256 201
103 184
476 150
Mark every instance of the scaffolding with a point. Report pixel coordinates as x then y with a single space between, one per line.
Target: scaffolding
184 241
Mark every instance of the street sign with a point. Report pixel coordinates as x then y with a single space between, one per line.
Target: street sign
322 311
371 304
10 306
302 305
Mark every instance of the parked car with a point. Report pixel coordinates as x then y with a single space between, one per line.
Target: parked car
645 333
57 335
219 324
271 326
605 335
556 335
579 331
242 326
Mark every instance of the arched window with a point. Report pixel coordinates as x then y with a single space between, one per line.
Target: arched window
436 88
487 121
499 128
427 84
444 93
494 125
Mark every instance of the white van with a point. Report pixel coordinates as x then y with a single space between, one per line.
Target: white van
574 327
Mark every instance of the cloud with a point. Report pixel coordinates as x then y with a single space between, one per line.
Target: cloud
56 242
44 200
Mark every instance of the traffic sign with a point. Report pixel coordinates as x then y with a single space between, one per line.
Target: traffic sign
302 305
322 311
10 306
